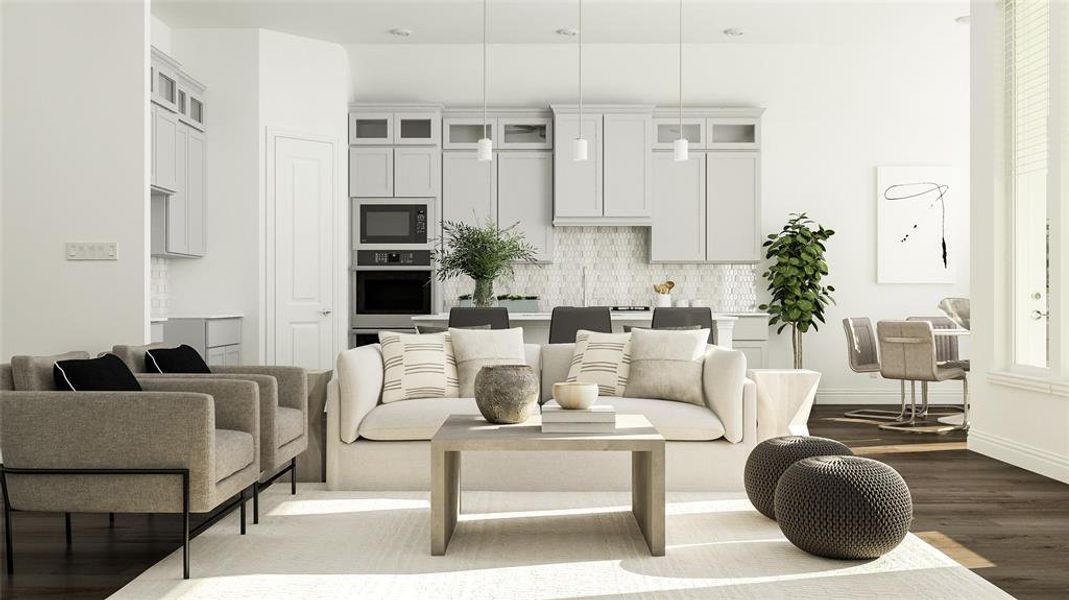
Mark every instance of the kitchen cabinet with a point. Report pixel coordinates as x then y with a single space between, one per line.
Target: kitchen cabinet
678 232
525 133
163 80
733 216
666 131
614 185
372 128
195 189
469 188
176 238
464 133
371 172
179 216
164 149
217 339
417 172
733 133
525 196
190 103
417 128
401 125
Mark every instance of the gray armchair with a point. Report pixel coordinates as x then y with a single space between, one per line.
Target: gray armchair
283 412
180 446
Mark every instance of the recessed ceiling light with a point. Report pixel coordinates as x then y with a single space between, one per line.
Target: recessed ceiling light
401 31
732 32
568 31
963 19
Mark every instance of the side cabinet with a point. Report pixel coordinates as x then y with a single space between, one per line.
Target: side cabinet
195 188
177 205
218 340
577 185
678 233
626 152
416 172
469 188
371 172
525 196
733 218
164 148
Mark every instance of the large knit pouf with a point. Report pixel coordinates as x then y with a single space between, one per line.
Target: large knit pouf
843 507
772 457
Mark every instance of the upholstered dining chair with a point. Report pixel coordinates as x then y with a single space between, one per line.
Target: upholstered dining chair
566 321
497 317
908 352
283 411
670 317
179 446
863 356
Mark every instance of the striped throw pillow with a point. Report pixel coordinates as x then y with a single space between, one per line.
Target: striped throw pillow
417 366
602 358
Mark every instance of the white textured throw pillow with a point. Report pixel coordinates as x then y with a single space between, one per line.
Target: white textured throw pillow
475 349
667 365
417 366
602 358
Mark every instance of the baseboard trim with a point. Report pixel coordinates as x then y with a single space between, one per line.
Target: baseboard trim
869 396
1037 460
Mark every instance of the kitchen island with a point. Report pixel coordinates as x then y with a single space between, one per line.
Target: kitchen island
536 325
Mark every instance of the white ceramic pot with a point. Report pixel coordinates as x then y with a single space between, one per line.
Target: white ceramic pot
575 395
662 300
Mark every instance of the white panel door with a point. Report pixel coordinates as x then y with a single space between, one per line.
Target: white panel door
626 159
733 206
678 230
577 185
469 188
195 194
303 185
177 203
416 172
371 172
525 196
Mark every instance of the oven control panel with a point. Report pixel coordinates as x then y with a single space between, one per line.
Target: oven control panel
393 258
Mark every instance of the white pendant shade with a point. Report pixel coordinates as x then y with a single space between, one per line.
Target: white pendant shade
486 150
579 153
679 150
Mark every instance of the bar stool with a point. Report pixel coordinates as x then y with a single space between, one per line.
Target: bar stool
566 321
497 317
670 317
908 353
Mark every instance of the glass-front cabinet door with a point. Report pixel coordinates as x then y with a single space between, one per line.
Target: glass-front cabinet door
465 132
368 128
666 131
417 129
530 133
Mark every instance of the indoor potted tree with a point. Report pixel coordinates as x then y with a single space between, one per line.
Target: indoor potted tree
794 278
483 252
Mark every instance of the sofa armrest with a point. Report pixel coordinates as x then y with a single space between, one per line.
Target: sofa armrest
723 381
360 375
749 412
236 403
292 382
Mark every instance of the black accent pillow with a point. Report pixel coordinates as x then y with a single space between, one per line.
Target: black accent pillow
183 359
105 374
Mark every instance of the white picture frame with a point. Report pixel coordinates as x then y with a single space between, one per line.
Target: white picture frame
916 208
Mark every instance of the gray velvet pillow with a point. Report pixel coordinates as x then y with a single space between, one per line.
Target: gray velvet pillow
34 373
667 364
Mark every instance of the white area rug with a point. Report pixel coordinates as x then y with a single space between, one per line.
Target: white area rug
322 544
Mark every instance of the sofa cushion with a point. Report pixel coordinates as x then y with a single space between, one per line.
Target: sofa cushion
34 373
233 452
107 373
603 359
477 349
417 366
289 424
667 365
676 421
413 419
182 359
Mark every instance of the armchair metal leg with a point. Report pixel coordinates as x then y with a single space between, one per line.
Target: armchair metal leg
111 519
293 476
67 527
9 547
256 503
243 512
185 525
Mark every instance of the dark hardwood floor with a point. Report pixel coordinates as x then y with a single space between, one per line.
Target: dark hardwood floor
1009 525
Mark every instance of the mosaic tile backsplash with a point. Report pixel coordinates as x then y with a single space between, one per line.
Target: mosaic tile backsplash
614 263
160 286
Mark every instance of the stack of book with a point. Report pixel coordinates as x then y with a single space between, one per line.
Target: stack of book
596 419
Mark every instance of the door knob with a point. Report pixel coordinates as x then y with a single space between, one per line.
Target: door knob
325 311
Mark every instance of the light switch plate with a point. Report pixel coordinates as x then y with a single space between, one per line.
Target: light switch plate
91 251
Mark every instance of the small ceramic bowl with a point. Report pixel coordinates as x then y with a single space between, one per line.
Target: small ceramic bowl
575 395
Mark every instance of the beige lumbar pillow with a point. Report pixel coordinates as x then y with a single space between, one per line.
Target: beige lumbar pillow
475 349
417 366
667 365
603 359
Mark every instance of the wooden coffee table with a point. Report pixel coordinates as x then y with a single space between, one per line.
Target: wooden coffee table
464 433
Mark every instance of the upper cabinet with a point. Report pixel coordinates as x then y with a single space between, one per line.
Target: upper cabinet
733 192
614 185
464 133
163 80
190 103
526 133
375 125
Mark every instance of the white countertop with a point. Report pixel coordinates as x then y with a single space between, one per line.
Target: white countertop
642 315
208 317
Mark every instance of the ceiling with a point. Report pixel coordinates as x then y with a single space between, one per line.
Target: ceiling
605 21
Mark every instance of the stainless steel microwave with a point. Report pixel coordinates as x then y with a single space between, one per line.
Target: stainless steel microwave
393 223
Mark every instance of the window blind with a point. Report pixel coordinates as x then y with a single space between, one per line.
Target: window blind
1027 28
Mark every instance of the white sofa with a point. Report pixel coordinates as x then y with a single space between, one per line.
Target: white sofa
375 446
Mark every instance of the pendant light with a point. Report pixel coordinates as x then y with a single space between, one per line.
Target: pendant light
679 147
485 146
579 152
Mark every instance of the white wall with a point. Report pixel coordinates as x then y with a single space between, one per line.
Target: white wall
160 35
256 80
834 112
1025 427
75 130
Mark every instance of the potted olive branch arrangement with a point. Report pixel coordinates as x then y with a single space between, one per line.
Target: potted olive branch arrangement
483 252
794 278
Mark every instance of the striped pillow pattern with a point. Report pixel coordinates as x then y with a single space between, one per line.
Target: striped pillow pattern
602 358
417 366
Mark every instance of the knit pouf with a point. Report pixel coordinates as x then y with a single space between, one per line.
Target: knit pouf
843 507
772 457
